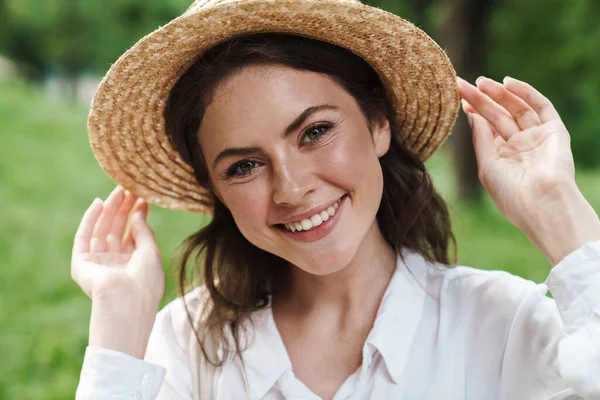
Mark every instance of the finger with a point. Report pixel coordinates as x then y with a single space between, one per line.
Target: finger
86 227
517 108
483 142
117 229
488 109
111 205
468 109
141 232
128 242
499 142
537 101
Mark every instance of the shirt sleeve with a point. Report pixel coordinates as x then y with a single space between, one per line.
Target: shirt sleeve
553 347
164 374
112 375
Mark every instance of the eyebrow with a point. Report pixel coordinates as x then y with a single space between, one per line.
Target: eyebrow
243 151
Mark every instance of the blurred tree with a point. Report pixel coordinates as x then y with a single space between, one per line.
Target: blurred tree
72 36
555 46
4 22
412 10
464 34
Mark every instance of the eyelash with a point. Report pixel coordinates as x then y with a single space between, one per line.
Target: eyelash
232 171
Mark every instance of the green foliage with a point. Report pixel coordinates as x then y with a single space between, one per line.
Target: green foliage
555 46
71 36
49 177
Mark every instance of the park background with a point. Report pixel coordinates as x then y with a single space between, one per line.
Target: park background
52 55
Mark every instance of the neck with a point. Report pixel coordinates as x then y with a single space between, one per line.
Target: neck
358 286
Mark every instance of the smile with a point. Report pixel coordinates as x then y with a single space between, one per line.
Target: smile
314 221
307 224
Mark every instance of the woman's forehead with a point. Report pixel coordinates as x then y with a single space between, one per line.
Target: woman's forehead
265 98
260 85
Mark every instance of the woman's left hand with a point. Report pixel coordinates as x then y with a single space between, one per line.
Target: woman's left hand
524 157
522 146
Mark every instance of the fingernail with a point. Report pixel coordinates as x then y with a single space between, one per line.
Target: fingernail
470 120
479 79
505 79
96 201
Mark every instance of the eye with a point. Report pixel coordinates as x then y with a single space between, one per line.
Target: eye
315 132
242 168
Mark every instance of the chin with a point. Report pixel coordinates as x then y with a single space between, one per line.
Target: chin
324 264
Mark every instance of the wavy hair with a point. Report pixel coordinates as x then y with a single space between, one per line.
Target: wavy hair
239 277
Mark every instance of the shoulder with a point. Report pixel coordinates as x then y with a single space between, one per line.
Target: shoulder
465 288
172 326
490 298
467 277
192 302
169 344
489 290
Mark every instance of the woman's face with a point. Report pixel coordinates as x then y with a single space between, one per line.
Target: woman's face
289 149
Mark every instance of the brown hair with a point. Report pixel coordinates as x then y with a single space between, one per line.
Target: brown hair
240 277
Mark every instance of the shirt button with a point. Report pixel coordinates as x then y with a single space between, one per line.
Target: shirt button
137 396
144 379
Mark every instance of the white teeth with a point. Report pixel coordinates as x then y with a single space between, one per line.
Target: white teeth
306 224
324 215
314 221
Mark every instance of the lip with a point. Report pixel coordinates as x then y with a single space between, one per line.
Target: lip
320 231
308 214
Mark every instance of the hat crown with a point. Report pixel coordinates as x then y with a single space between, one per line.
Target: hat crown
199 5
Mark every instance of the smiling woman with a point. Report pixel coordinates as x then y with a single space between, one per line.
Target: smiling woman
302 126
296 131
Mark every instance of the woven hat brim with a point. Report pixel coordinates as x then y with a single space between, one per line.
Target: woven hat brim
126 125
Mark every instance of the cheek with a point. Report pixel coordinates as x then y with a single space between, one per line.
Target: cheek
249 205
352 161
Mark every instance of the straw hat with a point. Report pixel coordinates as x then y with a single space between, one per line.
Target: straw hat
126 125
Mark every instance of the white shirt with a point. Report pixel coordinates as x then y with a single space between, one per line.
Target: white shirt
440 333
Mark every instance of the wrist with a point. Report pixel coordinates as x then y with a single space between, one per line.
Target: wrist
561 222
122 325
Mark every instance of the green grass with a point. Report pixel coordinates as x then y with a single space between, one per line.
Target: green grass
48 177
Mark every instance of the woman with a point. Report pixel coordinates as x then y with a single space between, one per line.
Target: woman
326 265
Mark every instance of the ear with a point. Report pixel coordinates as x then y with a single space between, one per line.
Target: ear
382 134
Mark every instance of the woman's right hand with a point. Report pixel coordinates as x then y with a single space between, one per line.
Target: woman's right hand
120 269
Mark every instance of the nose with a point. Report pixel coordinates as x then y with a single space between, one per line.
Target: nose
292 181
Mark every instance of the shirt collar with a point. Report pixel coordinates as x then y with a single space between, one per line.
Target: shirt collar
392 335
400 312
